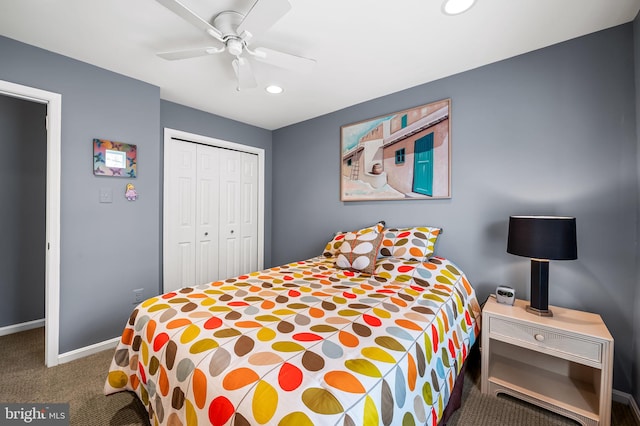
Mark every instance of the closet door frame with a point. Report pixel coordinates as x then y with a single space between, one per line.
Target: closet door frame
219 143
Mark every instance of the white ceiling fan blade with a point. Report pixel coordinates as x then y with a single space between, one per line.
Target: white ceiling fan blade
263 15
190 53
284 60
190 16
244 73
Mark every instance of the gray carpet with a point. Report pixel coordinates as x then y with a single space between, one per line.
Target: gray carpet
80 383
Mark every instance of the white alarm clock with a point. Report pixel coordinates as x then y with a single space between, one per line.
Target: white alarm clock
505 295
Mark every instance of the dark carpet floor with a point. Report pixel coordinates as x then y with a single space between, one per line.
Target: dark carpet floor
80 383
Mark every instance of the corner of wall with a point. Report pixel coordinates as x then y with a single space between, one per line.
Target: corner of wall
636 321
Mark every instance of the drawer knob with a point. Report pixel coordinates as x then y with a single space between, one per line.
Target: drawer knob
539 337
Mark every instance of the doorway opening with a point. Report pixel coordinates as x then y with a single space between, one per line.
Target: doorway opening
53 102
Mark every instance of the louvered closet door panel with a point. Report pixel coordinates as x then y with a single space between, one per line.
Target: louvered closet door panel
249 213
207 214
230 210
180 255
211 214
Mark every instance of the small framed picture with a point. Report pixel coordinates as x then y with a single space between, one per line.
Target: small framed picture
114 159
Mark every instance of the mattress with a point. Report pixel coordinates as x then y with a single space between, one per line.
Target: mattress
304 343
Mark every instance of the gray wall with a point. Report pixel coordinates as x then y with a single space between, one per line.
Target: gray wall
636 322
23 163
549 132
107 250
179 117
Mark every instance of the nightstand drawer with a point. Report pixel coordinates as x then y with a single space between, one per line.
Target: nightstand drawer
545 339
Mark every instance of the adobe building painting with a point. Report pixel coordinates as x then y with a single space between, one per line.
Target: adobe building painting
405 155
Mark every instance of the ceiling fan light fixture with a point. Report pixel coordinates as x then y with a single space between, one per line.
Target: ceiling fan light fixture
456 7
234 46
274 89
234 30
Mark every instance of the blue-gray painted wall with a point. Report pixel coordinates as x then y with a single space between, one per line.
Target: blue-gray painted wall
23 167
108 250
636 322
552 132
548 132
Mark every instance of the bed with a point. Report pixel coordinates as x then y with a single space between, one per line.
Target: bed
375 331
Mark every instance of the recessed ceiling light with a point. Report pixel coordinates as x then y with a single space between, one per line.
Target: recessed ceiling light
274 89
455 7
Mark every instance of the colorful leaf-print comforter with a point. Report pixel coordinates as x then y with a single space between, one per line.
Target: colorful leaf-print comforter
302 344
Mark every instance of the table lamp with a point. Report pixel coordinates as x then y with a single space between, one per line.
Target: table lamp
542 238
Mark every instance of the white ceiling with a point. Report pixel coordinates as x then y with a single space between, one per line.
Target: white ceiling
364 48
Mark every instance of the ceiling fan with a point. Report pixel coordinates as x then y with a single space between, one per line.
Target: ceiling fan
234 31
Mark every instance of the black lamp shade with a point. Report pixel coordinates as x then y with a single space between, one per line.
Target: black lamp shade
543 237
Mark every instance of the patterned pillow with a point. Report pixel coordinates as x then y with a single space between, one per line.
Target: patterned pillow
333 247
415 243
378 227
358 252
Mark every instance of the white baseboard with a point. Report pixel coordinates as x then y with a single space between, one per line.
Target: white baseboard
67 356
88 350
24 326
627 399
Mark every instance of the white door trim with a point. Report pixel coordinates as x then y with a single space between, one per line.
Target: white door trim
52 243
205 140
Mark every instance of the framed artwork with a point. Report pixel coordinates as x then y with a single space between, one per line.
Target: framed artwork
114 159
404 155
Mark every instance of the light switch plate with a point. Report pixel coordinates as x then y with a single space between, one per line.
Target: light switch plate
106 195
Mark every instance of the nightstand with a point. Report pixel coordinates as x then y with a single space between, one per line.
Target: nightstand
563 363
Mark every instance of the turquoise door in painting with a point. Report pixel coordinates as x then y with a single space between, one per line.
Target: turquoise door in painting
423 165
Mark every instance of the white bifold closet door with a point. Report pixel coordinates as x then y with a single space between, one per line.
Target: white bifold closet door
211 214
